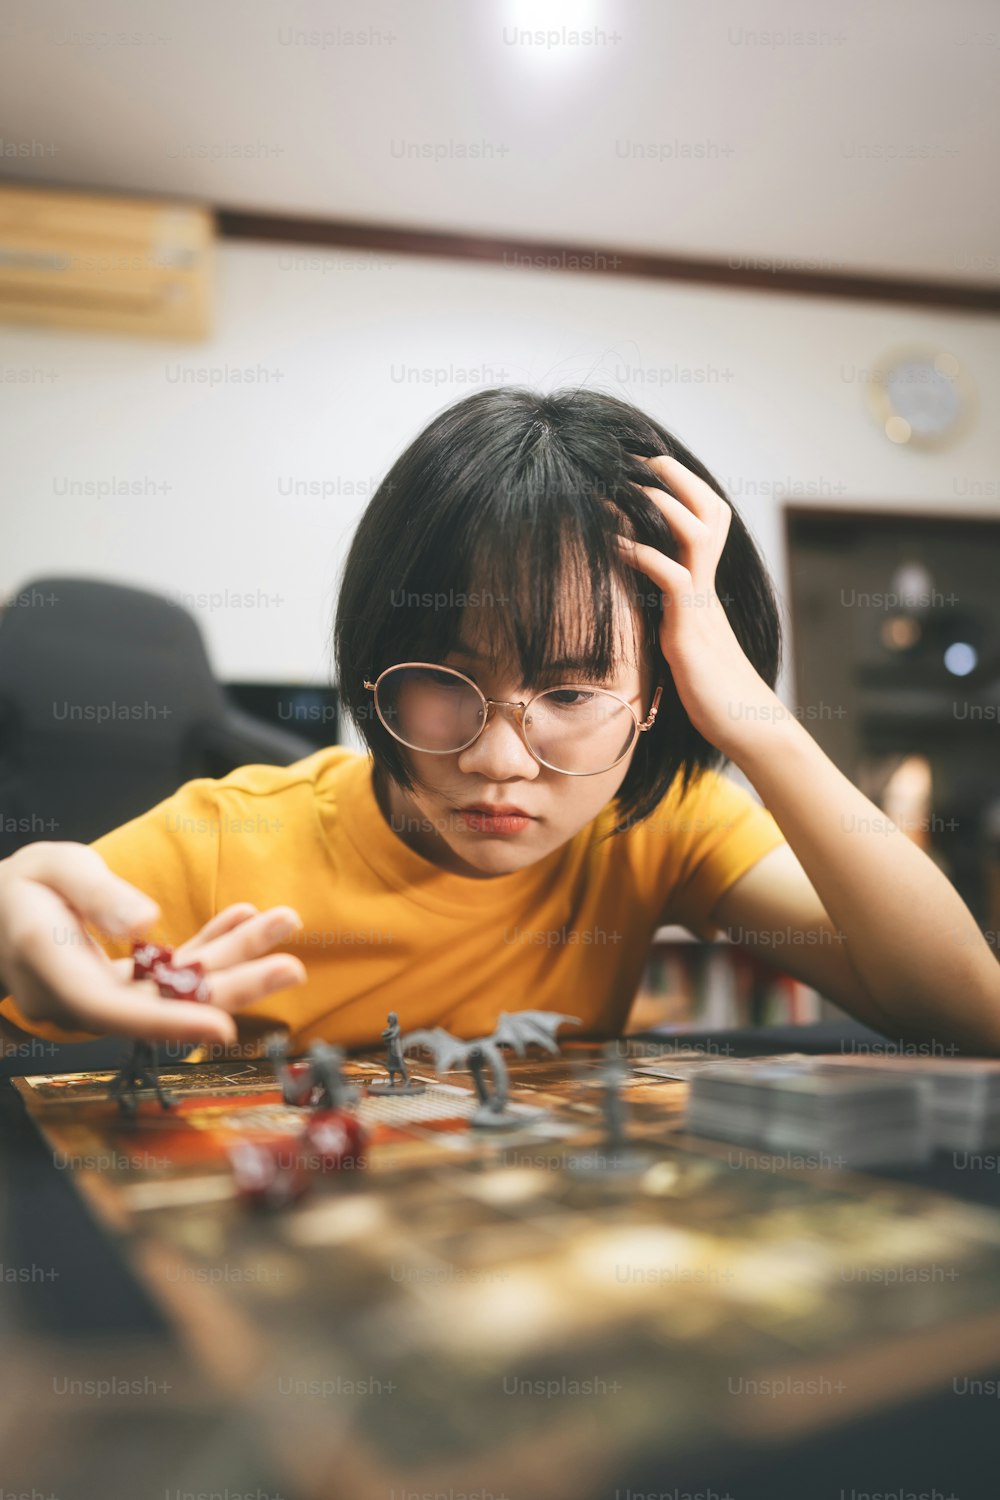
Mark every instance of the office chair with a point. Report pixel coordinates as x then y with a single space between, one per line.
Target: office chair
108 704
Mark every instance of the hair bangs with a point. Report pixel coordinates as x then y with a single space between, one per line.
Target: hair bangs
526 572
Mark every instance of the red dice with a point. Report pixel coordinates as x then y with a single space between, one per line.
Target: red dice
146 957
297 1082
181 982
269 1174
334 1140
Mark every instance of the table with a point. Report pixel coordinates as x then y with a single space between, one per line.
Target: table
453 1319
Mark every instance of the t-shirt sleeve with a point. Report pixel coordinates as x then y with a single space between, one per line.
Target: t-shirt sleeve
716 833
171 853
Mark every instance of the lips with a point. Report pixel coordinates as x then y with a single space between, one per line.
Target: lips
495 810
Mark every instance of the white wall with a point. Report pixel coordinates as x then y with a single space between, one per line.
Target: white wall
764 388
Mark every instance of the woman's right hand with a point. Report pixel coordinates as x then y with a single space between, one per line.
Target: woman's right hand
56 972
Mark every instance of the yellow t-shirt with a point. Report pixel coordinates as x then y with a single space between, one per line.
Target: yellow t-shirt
385 929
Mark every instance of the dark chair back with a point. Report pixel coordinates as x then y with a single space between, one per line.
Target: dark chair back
108 704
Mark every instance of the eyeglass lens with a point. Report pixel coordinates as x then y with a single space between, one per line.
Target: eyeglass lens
574 729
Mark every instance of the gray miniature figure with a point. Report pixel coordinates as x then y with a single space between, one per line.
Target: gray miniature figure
140 1070
293 1090
613 1074
395 1064
614 1155
483 1056
315 1082
330 1090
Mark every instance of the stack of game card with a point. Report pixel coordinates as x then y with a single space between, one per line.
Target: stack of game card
836 1116
965 1096
966 1106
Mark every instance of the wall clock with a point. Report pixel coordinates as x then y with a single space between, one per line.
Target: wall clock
921 398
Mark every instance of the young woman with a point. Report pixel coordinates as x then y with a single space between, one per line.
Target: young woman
552 630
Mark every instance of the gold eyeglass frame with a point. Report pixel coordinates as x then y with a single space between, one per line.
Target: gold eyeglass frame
520 709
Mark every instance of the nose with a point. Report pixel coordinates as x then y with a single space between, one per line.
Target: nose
500 753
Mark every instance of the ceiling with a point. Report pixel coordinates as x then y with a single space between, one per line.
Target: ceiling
834 138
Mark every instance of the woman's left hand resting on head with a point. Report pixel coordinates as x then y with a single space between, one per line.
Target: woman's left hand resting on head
850 904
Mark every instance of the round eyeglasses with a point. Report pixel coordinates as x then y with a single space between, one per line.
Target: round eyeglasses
576 729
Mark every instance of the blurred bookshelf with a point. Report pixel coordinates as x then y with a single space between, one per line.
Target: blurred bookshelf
693 985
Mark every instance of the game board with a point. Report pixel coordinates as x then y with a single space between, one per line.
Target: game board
469 1306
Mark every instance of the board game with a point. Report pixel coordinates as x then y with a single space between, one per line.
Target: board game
467 1309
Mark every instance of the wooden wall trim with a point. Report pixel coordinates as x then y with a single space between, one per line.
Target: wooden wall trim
739 273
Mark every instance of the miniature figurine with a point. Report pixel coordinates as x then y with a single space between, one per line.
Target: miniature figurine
296 1078
482 1055
330 1090
613 1073
313 1082
395 1064
614 1155
140 1070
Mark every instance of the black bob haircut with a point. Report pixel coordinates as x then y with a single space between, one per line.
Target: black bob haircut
501 505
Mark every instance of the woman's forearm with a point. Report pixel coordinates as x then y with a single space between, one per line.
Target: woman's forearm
913 942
